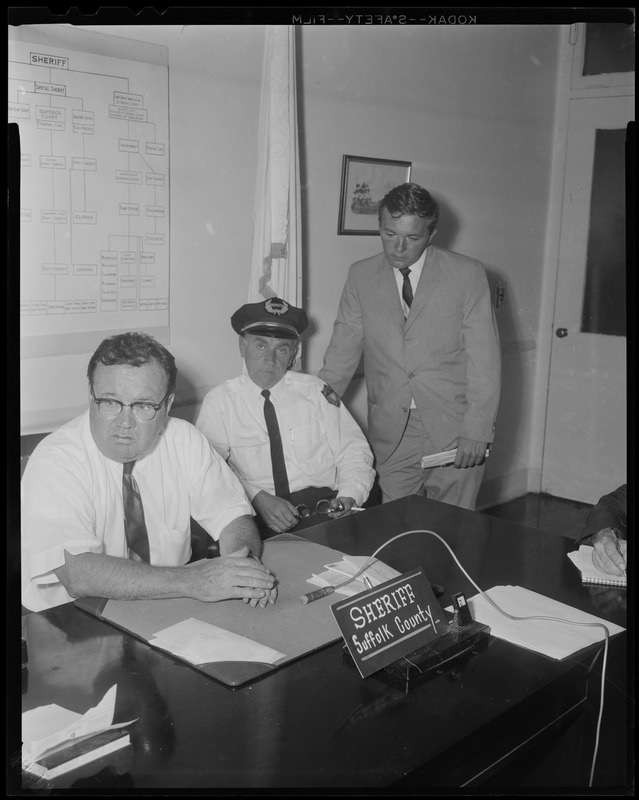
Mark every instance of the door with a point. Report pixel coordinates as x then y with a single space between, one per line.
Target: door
585 438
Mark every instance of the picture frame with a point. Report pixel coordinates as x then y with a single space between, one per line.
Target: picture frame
365 181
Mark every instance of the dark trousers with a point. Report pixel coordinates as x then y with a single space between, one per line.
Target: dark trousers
203 546
308 497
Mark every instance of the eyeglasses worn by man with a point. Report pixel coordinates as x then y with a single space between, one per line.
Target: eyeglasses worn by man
74 542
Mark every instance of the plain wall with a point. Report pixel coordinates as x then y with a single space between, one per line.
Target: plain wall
473 110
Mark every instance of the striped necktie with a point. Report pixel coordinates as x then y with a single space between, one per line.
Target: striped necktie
134 526
280 477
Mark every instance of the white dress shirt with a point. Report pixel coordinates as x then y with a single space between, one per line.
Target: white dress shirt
413 277
72 500
322 443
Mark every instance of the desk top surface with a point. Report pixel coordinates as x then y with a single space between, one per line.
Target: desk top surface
316 722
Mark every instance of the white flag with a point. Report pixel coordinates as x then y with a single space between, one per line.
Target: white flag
276 254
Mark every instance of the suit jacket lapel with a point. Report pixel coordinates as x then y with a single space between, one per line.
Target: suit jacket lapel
428 282
388 292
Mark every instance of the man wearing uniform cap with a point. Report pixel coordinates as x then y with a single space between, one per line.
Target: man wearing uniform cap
325 454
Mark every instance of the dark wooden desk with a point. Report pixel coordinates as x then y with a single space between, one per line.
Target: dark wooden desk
316 722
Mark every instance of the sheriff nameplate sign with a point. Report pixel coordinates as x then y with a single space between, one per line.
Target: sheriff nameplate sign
388 622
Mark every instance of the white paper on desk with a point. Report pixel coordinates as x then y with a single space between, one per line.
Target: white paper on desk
377 572
554 639
202 643
340 571
48 726
332 578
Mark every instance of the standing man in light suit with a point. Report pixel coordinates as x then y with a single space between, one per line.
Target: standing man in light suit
423 319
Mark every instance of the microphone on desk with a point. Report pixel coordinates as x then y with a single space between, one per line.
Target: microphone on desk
312 596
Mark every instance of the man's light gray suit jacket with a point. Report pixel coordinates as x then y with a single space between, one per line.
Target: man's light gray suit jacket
446 355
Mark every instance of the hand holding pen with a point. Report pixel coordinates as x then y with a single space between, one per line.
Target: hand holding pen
609 553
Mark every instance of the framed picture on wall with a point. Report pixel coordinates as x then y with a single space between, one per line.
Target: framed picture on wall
365 181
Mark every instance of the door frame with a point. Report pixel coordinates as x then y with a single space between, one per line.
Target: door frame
571 51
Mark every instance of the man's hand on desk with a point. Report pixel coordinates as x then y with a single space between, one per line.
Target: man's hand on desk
237 575
277 513
609 552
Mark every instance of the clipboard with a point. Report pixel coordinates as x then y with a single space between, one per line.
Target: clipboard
288 626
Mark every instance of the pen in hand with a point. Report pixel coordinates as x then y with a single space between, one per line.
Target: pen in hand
620 551
622 554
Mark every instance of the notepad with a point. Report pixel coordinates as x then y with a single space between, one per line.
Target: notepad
582 559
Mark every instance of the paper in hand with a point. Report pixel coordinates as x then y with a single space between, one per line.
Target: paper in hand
443 459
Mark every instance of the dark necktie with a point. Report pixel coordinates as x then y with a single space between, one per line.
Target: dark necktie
407 289
134 526
280 478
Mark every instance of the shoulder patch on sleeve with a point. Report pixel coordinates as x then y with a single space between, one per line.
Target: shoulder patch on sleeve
331 395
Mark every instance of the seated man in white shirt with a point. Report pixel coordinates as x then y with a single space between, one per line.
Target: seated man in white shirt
83 530
326 456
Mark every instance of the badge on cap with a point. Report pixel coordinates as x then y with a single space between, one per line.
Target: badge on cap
275 306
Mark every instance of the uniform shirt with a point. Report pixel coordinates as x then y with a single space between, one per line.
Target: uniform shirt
323 445
72 500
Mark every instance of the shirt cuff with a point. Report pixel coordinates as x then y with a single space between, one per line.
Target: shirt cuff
358 495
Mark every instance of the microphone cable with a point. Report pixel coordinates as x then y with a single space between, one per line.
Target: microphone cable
327 590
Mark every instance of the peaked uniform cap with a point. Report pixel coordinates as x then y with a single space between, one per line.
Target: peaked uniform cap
273 317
